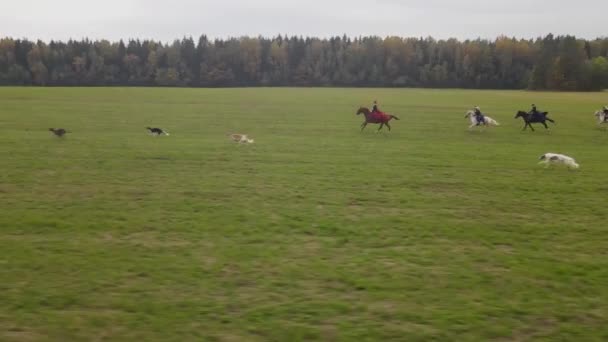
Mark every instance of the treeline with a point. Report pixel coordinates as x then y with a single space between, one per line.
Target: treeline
557 63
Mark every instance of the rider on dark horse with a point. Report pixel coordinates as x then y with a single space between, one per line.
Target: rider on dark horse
534 111
479 116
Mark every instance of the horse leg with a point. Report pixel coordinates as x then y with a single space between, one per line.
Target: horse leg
532 128
363 125
389 126
381 125
525 125
545 124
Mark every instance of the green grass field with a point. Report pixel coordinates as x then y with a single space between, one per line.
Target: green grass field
315 232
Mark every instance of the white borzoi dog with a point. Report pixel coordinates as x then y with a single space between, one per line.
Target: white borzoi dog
487 121
241 138
556 158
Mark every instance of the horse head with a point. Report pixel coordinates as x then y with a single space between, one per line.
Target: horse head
520 113
363 110
469 113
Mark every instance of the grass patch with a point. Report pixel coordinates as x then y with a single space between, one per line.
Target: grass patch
315 232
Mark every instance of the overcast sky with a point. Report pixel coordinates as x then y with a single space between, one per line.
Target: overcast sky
169 19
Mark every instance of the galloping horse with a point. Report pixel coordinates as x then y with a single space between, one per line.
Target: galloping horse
531 118
376 118
487 121
602 118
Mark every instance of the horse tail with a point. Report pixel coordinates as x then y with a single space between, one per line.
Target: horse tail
550 120
394 117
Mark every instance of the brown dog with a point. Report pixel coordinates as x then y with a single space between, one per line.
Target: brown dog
60 132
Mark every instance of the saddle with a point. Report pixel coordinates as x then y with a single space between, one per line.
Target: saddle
537 115
379 116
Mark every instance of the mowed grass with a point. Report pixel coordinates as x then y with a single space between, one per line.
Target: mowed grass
315 232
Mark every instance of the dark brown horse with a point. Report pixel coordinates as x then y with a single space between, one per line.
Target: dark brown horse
376 118
530 118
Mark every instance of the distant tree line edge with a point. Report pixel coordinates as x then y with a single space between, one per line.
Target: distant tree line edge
552 63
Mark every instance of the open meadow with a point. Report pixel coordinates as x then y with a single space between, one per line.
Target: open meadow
317 231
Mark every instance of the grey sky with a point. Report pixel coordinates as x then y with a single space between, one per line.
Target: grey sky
169 19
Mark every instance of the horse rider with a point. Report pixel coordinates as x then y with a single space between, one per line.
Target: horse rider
375 107
534 111
478 115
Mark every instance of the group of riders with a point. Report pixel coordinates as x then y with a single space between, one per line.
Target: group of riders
534 112
480 117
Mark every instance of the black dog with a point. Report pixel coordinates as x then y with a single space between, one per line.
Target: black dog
60 132
157 131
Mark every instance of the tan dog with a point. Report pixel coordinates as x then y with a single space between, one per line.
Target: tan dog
241 138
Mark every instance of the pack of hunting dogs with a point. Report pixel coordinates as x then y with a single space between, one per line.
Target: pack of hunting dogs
476 117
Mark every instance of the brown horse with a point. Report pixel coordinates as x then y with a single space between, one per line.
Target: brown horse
376 118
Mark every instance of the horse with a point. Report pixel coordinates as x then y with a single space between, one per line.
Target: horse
487 121
376 118
601 117
530 118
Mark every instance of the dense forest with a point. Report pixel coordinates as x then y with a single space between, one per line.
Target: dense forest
552 62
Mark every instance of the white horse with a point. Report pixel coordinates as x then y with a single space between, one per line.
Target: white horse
487 121
601 117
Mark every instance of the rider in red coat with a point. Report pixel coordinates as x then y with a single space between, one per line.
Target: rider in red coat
375 107
376 113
